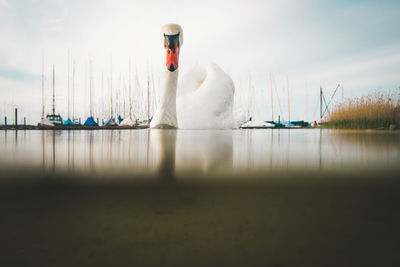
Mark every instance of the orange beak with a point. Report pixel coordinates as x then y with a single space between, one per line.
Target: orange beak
172 57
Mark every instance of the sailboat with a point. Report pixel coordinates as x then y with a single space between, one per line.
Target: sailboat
54 119
111 121
127 122
75 120
90 120
44 121
68 122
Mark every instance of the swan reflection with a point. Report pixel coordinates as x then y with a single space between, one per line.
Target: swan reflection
205 151
195 151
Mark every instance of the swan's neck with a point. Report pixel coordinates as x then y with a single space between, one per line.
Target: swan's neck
165 116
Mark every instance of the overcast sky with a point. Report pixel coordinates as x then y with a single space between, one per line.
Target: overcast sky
305 44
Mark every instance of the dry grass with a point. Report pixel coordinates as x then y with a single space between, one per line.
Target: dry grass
373 111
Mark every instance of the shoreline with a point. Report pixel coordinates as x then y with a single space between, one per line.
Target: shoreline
31 127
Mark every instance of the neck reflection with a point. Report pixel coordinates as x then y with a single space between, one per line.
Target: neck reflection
166 140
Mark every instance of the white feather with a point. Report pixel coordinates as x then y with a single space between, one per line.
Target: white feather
205 99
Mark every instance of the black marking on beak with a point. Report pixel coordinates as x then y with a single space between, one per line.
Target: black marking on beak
171 68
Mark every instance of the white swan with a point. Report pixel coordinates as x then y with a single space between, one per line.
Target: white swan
205 94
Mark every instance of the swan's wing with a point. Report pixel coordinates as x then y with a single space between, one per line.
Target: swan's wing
211 104
191 80
216 92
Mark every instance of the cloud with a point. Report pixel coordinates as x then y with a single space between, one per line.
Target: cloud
17 74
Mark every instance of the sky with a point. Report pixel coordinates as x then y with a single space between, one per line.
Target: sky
302 45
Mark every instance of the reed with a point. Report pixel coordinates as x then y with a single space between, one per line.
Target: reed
378 110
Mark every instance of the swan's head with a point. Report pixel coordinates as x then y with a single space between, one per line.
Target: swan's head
173 40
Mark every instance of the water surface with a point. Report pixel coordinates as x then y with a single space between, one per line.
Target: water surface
202 151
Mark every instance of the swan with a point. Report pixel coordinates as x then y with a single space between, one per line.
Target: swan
204 98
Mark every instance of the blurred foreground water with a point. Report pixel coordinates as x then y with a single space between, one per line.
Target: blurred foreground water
201 151
291 198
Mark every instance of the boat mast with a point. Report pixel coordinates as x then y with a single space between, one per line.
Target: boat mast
54 106
73 89
148 96
138 89
124 96
103 93
111 99
91 87
249 98
68 89
130 91
272 97
154 87
119 93
288 97
148 92
42 83
86 83
320 103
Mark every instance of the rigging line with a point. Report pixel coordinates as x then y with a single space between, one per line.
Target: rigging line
326 105
330 100
333 95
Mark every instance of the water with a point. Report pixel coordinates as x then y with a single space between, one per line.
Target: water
201 151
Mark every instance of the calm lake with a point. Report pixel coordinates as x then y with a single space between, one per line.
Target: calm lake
202 151
300 197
